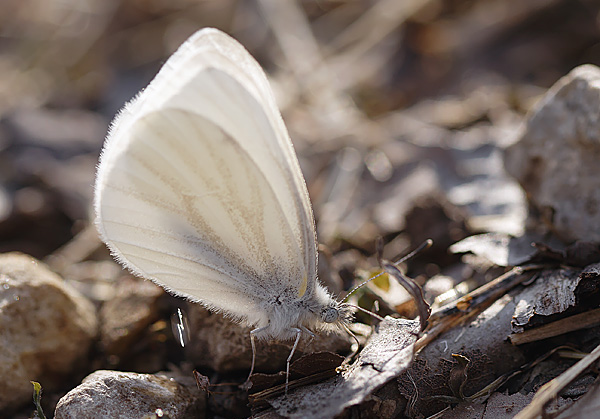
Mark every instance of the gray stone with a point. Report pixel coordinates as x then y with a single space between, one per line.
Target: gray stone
557 157
114 394
125 317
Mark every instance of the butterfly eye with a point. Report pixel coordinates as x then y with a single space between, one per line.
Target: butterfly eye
330 315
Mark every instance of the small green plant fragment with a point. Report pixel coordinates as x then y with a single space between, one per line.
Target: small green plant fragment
382 281
37 399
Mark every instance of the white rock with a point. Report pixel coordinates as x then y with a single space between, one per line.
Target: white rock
46 328
113 394
557 158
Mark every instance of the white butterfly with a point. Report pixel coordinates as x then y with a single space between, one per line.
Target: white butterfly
199 190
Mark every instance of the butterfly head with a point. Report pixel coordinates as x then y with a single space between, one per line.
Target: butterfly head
330 314
337 313
327 313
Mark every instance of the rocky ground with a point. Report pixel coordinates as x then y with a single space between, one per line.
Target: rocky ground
472 123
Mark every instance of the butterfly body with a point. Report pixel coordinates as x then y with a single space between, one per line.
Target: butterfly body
285 312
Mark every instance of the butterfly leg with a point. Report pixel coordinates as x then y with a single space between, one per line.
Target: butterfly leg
309 333
298 333
355 347
248 384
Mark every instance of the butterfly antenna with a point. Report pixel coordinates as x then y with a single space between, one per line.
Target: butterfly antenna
379 245
362 284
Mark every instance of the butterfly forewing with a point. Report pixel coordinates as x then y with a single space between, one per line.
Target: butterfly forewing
198 186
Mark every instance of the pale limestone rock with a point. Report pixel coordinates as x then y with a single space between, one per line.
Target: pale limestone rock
46 328
557 157
114 394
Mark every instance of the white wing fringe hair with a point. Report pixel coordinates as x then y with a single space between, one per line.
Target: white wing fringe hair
199 190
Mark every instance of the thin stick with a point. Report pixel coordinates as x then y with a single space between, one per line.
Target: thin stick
468 306
409 284
486 293
569 324
551 389
423 246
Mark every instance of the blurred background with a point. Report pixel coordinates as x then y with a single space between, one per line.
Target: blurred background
393 106
399 111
